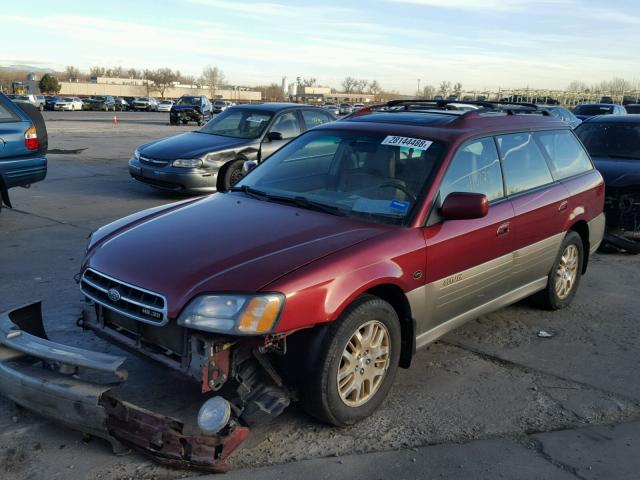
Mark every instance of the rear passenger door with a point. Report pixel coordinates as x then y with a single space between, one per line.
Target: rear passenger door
540 206
469 261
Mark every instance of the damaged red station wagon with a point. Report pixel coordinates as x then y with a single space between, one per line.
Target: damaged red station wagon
320 273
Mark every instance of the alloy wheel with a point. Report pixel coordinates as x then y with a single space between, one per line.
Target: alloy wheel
567 271
364 363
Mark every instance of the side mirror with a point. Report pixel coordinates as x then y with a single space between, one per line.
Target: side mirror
274 136
464 206
248 165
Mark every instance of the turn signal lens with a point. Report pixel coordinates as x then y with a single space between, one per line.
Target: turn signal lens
31 139
260 315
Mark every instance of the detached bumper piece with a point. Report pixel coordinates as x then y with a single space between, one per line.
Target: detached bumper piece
59 382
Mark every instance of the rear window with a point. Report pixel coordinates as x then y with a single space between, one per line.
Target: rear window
593 109
523 164
567 156
614 140
6 115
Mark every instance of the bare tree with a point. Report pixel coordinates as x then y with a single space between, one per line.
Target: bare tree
162 79
97 71
577 86
375 88
457 90
133 73
272 92
212 77
349 85
444 88
361 85
71 72
428 91
309 82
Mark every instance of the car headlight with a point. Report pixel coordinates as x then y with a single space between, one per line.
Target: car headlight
234 314
187 163
136 154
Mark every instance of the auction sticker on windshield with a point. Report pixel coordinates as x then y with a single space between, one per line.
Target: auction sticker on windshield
416 143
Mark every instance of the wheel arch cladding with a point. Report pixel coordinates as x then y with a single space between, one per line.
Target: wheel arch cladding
394 295
582 229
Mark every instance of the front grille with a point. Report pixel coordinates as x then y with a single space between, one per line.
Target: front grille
153 162
133 302
157 183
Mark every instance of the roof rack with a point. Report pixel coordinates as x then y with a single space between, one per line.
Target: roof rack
510 108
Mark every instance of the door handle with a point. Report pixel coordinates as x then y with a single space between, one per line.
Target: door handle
503 229
563 206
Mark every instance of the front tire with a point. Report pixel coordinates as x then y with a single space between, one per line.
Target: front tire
232 174
564 277
357 363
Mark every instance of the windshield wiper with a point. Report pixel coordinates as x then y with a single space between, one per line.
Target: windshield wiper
252 192
304 202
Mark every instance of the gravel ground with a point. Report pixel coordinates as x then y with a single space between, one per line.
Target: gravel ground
492 378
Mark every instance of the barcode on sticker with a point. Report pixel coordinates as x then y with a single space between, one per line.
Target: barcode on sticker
416 143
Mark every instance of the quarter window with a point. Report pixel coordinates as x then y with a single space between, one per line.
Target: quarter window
567 156
287 125
313 118
523 164
474 169
5 114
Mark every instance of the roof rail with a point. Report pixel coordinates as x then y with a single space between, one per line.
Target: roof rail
508 108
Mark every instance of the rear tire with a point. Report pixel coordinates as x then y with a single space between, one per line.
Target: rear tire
338 394
564 277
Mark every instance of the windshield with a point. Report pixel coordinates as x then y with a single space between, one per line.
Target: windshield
189 101
593 110
371 176
67 99
239 123
617 140
219 103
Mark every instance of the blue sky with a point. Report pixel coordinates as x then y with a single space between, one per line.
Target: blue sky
480 43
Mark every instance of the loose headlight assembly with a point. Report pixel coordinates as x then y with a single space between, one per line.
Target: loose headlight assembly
233 314
187 163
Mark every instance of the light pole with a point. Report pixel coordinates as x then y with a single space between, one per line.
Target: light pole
418 86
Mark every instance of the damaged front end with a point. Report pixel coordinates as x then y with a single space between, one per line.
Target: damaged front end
74 386
622 207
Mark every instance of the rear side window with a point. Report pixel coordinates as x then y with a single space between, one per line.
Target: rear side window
474 169
6 115
313 118
287 125
523 163
567 156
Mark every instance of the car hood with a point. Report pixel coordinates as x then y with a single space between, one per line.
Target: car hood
189 145
618 172
221 243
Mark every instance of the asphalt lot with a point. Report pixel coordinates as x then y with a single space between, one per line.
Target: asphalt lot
492 379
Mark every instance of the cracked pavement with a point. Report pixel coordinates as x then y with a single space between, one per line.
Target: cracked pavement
491 397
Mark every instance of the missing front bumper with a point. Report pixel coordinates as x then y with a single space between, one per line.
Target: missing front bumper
47 378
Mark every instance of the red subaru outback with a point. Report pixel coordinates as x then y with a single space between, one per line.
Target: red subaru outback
325 268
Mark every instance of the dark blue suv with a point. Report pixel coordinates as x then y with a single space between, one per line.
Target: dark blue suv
23 147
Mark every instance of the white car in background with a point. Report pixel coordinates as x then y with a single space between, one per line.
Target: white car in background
165 105
68 103
358 106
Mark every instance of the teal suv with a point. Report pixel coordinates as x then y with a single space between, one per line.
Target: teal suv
23 147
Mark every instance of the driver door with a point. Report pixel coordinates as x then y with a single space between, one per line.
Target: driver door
288 125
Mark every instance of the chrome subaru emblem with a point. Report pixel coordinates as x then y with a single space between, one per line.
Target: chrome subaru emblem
114 295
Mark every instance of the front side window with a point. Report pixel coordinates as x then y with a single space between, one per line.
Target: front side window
370 176
238 123
523 164
567 156
475 168
287 124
